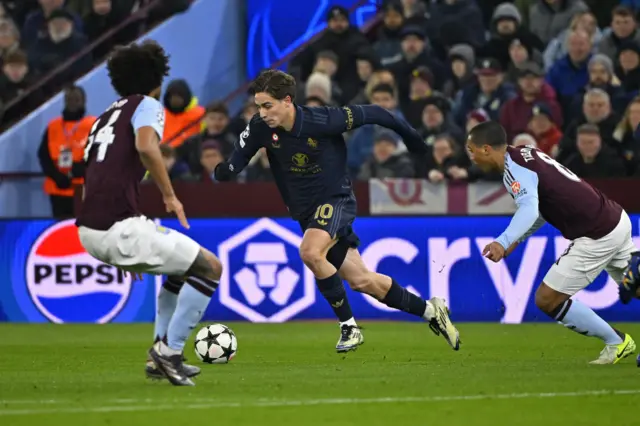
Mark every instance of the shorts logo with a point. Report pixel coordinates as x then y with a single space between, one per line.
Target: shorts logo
162 229
265 280
66 284
515 187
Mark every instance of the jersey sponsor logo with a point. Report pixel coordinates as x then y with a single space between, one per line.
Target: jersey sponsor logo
312 143
300 159
265 280
515 187
66 284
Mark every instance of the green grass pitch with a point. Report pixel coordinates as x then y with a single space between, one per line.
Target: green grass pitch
289 374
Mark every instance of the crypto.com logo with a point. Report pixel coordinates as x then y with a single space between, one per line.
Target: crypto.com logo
265 273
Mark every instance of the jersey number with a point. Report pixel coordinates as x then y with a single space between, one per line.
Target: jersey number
103 138
559 167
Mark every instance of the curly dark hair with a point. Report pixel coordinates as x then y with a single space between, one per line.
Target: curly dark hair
138 69
275 83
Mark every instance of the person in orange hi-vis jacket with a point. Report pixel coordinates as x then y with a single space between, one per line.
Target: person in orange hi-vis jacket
183 115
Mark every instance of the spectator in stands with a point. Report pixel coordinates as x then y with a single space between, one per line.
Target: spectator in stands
177 169
445 161
462 59
63 42
601 76
378 77
37 23
594 159
366 63
548 18
570 74
628 66
421 88
183 115
9 38
415 53
259 169
507 26
61 152
543 128
16 78
624 27
18 10
516 112
386 161
216 122
520 55
102 17
240 122
489 93
436 120
465 14
360 144
387 47
210 157
596 110
327 64
625 138
557 48
343 40
524 139
476 117
319 85
314 101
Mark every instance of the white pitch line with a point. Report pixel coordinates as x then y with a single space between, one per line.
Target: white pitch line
160 405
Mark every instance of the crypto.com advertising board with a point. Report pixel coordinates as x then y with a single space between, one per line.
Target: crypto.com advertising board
48 277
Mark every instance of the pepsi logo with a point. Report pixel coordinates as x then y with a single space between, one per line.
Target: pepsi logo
67 284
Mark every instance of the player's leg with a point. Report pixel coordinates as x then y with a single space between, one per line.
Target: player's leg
388 291
166 306
579 265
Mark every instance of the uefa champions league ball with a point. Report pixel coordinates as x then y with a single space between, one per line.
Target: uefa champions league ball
216 344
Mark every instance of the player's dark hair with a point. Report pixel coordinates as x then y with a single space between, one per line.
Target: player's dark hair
217 107
275 83
588 129
383 88
138 69
488 133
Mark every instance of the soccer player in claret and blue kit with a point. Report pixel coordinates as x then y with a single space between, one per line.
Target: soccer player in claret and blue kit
598 228
308 158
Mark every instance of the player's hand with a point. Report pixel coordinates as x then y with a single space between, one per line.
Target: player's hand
174 205
494 252
457 172
222 172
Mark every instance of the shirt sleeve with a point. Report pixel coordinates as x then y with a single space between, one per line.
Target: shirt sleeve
245 148
332 121
149 112
522 183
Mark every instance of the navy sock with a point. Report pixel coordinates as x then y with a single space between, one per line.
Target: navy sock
399 298
333 290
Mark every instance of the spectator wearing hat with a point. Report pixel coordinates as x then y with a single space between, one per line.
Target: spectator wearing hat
388 45
319 86
210 156
557 48
37 22
516 112
9 37
182 113
548 18
570 74
462 60
465 12
625 136
601 76
415 53
445 161
489 93
420 89
386 161
624 27
63 42
594 159
259 168
436 119
506 26
543 128
343 40
628 66
474 118
176 169
15 79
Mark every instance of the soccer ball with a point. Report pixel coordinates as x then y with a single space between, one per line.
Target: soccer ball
216 344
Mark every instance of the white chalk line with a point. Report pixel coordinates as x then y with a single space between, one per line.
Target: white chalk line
131 405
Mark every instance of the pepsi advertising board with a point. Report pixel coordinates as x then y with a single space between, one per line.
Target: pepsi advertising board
48 277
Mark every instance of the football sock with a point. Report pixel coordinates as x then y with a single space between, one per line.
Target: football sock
166 305
580 318
192 302
350 322
399 298
333 290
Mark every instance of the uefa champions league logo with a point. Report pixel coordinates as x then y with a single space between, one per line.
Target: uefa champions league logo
262 278
66 284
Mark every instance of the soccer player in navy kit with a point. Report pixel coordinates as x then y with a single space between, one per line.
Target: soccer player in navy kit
307 154
599 230
123 143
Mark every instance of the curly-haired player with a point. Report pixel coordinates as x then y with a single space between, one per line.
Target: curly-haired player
123 143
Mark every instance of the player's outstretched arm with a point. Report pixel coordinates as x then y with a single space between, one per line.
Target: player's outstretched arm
336 120
244 149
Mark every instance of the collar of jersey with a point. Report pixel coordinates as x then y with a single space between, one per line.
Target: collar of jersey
297 123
